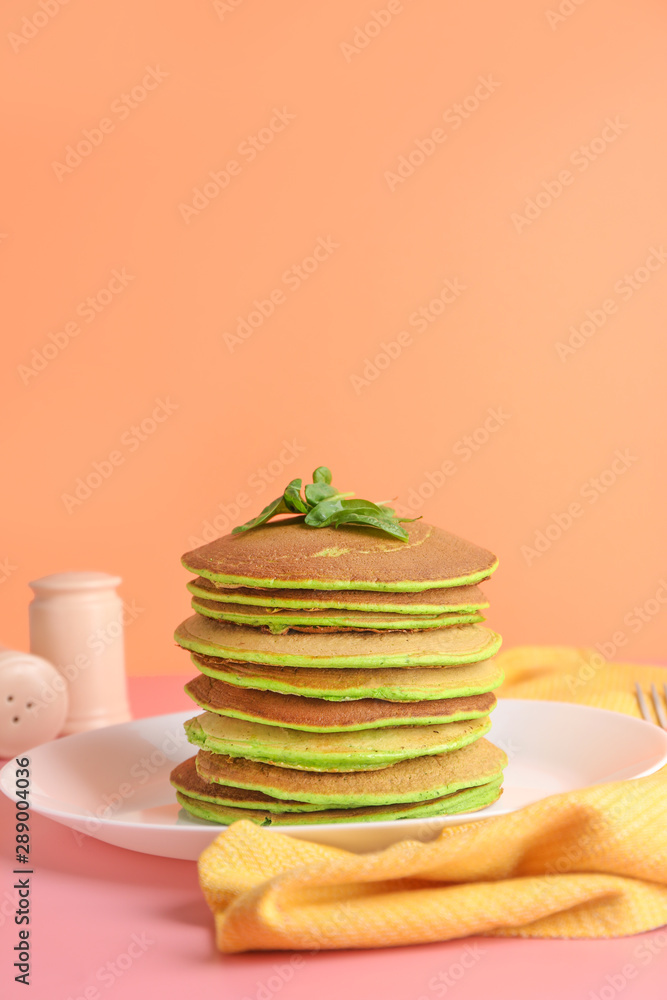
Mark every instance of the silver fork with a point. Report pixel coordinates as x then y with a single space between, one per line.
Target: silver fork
657 703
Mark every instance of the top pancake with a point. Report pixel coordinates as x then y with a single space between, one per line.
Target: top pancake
289 554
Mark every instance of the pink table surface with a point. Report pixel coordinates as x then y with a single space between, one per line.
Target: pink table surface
91 902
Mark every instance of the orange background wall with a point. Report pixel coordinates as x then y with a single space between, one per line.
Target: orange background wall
534 199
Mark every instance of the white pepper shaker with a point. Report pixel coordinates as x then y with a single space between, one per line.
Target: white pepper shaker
33 702
76 623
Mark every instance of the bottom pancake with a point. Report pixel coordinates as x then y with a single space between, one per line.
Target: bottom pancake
408 781
468 800
186 779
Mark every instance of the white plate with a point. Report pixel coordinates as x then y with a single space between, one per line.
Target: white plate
113 783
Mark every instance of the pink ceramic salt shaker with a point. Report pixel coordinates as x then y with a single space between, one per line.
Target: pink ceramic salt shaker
76 623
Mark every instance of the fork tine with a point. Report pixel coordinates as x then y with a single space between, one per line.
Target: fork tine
643 707
659 709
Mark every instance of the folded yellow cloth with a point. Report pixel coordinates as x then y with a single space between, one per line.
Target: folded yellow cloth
589 863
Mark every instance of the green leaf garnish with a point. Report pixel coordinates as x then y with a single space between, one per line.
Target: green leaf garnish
275 507
324 506
318 491
293 499
320 515
329 511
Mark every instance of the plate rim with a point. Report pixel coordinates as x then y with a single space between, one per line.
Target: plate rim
113 822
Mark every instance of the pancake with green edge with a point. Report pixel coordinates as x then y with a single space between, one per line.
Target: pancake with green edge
430 648
289 554
319 716
199 802
439 601
279 621
349 751
186 778
390 684
408 781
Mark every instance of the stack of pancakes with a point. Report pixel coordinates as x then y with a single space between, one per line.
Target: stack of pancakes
344 676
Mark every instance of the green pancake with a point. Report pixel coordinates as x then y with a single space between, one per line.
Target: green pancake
349 751
317 715
390 684
186 778
467 800
429 602
432 648
279 621
288 554
408 781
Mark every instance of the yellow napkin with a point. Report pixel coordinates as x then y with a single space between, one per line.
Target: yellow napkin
589 863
